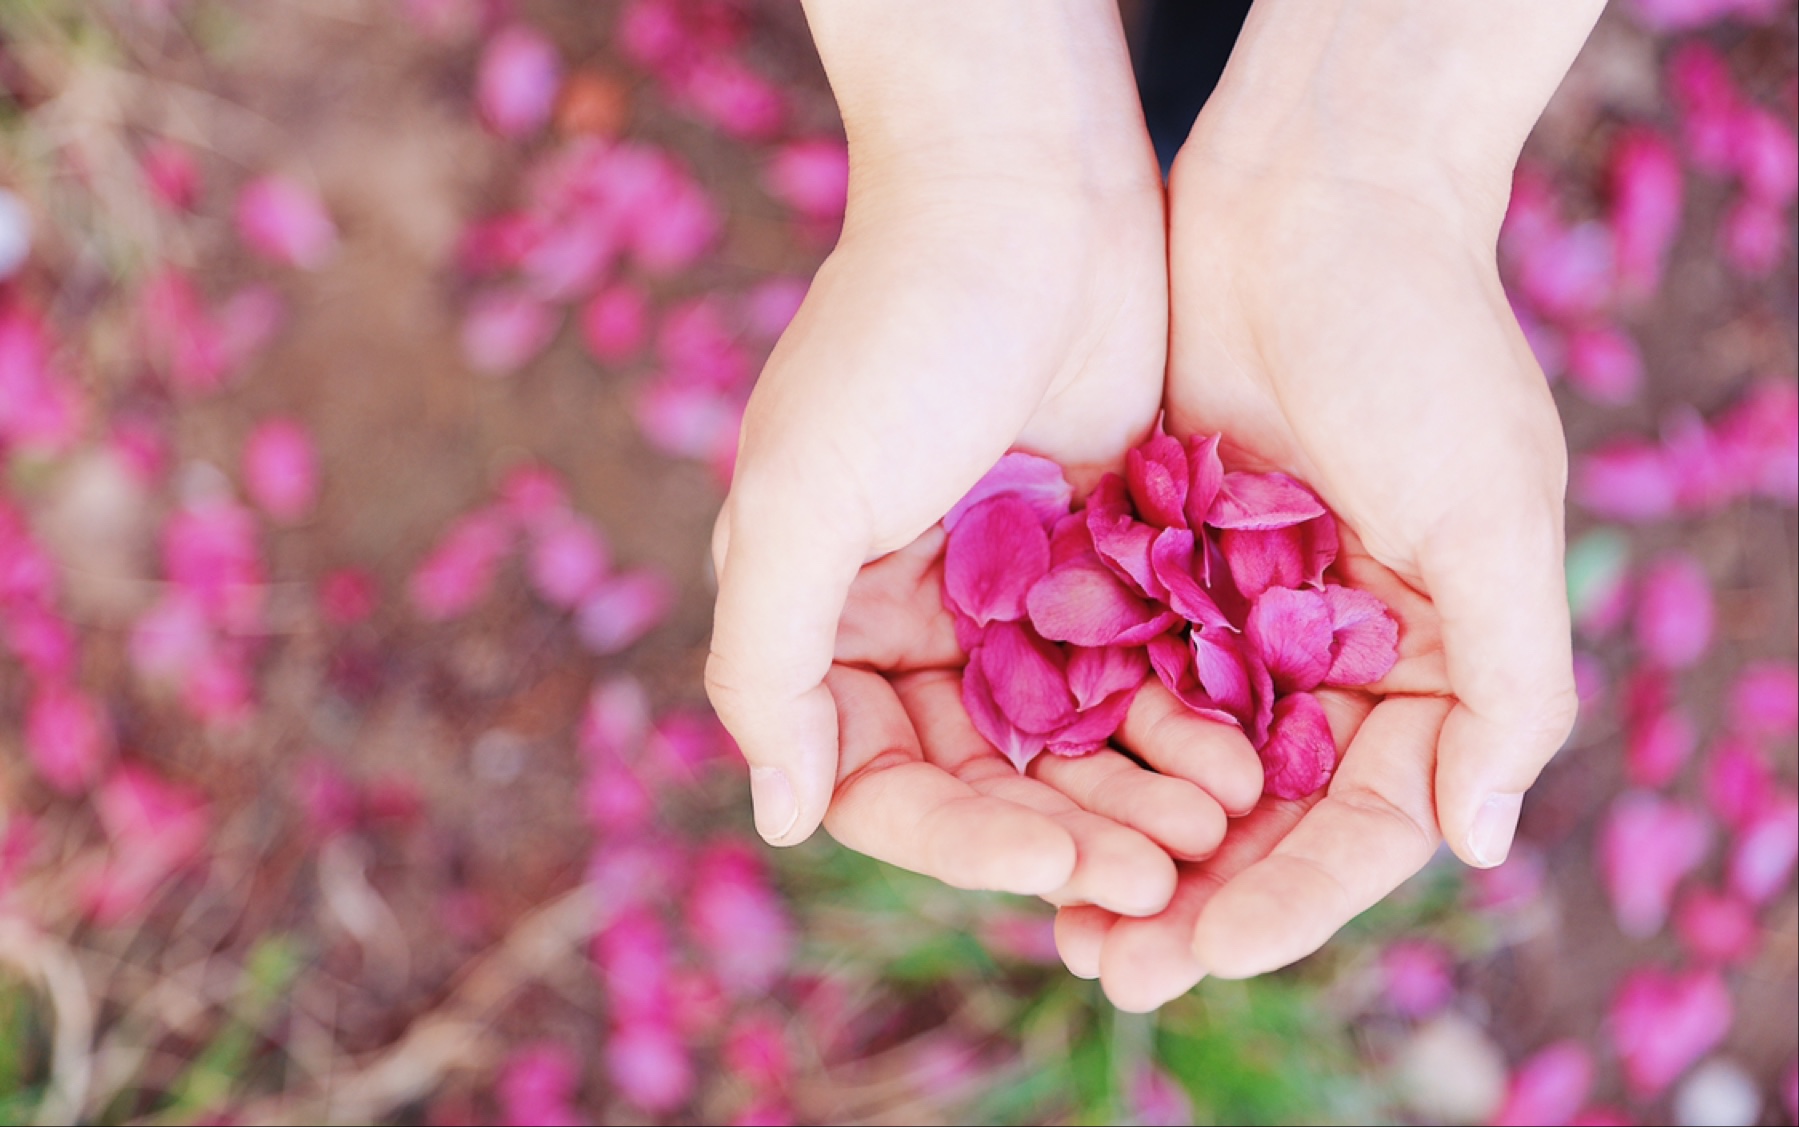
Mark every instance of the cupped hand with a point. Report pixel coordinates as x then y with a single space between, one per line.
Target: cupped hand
1353 332
918 787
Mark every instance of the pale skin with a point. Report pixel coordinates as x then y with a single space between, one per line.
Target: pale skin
1326 297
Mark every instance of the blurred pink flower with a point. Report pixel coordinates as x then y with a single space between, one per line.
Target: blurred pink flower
755 1051
285 222
650 1066
1646 206
738 919
1025 936
171 638
723 92
1765 850
616 719
1674 611
534 496
1716 927
635 958
770 304
698 344
516 84
1417 977
615 800
40 639
812 177
1156 1099
502 332
537 1086
687 420
1705 98
1663 1021
1658 745
1765 150
1625 479
67 736
1739 781
1548 1087
1765 699
1760 437
615 323
622 609
1647 844
1605 366
650 32
220 690
349 595
1570 273
673 231
155 827
281 470
1754 236
210 551
568 559
172 175
460 569
567 261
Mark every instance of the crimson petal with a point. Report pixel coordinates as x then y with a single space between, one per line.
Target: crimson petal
1157 474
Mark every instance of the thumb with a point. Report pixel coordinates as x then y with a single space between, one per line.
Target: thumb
1495 575
786 559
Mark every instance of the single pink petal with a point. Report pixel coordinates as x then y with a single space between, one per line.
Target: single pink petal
1716 927
677 229
1171 657
1262 558
502 332
1765 851
1156 473
615 323
623 609
991 721
1646 204
1754 237
1765 699
721 91
1647 844
1071 542
566 263
1122 540
1570 274
812 177
650 1066
995 555
738 920
1765 151
1759 437
650 32
1095 673
1171 558
1627 479
756 1049
1739 781
634 955
460 569
1674 611
281 472
1662 1022
1028 677
1262 500
1417 976
698 341
687 420
1291 632
1658 745
1038 482
1605 366
568 559
1263 693
1548 1087
67 737
1300 755
537 1085
770 305
1223 672
517 81
285 222
1206 478
1364 637
1089 730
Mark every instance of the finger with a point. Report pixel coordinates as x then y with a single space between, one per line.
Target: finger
1496 578
1374 828
894 618
1173 813
1177 741
893 806
1148 962
1080 935
789 558
1115 867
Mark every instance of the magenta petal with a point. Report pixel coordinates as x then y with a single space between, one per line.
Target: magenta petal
1028 677
1172 658
1171 558
1674 612
1549 1087
1364 637
1291 631
1086 605
1157 474
1762 859
1121 539
997 551
1205 477
1300 754
1069 541
1262 558
1262 500
1038 482
1095 673
977 697
1222 672
1663 1022
1646 846
1090 730
1263 685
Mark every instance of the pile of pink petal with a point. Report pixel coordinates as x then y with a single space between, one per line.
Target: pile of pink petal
1214 581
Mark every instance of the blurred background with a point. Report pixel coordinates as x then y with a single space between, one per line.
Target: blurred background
370 373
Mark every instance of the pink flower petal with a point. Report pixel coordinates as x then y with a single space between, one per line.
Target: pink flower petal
1207 477
991 722
1291 632
281 471
1766 155
1121 539
1739 781
650 1066
1658 745
1156 473
1605 366
1717 927
502 332
67 737
285 222
1646 204
1765 699
1626 480
1219 664
567 561
1172 561
1549 1087
1262 500
812 177
460 569
1038 482
1418 976
1647 844
172 175
1028 677
1754 237
1095 673
1663 1022
1279 557
1764 853
1090 730
738 919
1569 274
1674 611
1156 1099
623 609
615 323
996 553
722 91
516 84
1364 637
1300 755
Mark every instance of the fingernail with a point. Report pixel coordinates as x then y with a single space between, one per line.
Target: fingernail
1494 824
772 795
